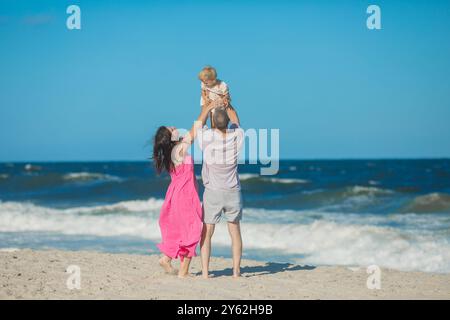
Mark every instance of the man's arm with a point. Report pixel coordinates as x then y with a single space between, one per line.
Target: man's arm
232 114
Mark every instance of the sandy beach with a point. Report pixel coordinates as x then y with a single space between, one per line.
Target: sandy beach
28 274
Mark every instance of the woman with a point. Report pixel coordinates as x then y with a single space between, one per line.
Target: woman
181 213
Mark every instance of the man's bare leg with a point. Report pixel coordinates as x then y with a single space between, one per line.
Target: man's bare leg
234 229
205 248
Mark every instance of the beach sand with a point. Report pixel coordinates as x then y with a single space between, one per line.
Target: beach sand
28 274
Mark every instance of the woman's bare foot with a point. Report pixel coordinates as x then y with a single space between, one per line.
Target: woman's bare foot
165 263
236 274
184 275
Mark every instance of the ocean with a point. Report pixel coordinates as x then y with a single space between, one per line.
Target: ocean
392 213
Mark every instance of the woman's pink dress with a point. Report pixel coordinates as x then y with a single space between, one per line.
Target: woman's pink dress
180 219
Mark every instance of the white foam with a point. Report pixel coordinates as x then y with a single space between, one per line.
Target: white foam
321 242
248 176
19 217
80 176
324 242
30 167
9 250
356 190
288 181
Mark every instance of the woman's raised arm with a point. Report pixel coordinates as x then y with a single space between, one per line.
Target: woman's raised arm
201 120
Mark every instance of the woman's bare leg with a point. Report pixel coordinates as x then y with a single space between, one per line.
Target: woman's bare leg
205 248
166 263
184 268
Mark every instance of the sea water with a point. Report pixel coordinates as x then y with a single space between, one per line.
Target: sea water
392 213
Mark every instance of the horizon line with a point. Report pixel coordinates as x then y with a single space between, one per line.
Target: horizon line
283 159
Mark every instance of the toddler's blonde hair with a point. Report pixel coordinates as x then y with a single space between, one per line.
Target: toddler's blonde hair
208 73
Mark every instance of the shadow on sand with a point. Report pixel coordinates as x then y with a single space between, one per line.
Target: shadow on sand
268 268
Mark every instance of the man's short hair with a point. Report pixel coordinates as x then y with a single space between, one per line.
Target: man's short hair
220 118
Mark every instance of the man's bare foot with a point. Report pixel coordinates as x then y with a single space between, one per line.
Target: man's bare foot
207 275
236 274
166 265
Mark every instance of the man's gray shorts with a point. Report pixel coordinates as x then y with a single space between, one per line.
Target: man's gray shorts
216 202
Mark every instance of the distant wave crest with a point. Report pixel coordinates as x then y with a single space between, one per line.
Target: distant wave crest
86 176
256 177
429 203
363 190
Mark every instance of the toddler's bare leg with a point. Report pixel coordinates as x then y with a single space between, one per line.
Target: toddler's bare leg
211 119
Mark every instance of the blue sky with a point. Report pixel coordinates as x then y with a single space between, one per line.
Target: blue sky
310 68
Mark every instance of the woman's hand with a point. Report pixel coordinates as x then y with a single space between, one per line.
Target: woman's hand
201 120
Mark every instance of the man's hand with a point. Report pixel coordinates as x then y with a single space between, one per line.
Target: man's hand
226 99
208 106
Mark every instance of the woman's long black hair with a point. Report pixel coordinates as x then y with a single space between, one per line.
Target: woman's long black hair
162 150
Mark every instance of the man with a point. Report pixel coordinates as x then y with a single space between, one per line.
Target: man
222 195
